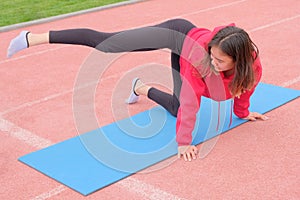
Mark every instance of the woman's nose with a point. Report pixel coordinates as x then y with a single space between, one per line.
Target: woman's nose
213 63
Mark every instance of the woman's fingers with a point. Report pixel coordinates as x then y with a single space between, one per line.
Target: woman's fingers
188 155
185 157
254 115
191 154
188 152
262 117
251 118
194 152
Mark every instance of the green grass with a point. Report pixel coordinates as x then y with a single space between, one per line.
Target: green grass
17 11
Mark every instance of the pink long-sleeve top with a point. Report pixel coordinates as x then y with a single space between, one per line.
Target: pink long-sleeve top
213 86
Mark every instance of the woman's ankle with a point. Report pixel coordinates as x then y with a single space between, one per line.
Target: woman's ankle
141 88
37 39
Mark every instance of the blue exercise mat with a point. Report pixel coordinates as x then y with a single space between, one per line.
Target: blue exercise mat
96 159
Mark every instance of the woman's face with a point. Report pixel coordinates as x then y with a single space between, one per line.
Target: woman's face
221 61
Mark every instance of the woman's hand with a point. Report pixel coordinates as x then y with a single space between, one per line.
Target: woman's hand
254 115
188 152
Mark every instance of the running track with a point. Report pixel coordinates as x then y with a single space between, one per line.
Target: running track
253 161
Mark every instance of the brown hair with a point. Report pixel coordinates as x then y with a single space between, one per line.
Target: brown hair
236 43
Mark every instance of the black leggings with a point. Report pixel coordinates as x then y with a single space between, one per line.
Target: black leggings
169 34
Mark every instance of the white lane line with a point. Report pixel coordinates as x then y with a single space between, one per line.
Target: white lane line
51 97
28 104
68 15
51 193
72 90
291 82
274 23
23 135
31 54
133 185
32 140
213 8
196 12
145 190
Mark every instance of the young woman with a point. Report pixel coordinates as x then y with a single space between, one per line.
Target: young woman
220 64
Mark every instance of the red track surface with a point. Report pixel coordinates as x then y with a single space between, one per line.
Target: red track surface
253 161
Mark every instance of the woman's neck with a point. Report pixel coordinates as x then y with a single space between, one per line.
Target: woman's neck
228 72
